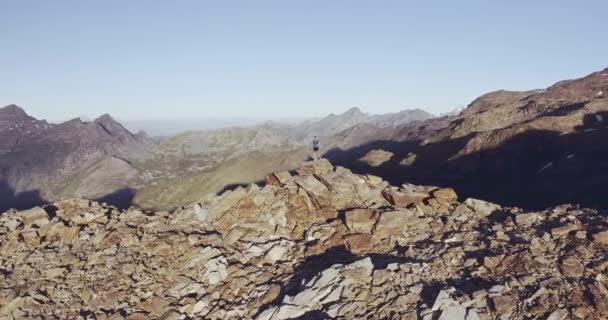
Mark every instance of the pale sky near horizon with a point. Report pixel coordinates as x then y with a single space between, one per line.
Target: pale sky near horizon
271 59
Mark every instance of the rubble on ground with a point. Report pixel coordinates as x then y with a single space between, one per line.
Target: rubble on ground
324 243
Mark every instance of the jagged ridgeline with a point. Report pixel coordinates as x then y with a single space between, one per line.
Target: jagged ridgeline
320 243
100 159
530 149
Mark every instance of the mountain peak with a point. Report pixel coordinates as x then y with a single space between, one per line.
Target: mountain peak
354 111
111 126
105 118
13 110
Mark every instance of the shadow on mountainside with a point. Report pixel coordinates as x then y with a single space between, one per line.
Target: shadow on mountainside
535 169
234 186
122 199
22 200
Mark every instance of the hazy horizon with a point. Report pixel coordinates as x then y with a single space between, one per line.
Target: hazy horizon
172 126
271 59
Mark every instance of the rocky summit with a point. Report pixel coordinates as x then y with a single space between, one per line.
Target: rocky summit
317 244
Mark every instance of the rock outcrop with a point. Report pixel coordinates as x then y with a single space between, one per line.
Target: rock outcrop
376 157
324 243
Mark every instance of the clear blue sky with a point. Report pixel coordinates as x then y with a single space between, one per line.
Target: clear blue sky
180 59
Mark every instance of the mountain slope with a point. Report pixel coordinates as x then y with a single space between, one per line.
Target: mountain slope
197 163
533 149
167 194
16 125
43 158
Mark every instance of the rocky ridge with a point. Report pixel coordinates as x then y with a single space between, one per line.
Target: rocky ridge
323 243
532 149
54 160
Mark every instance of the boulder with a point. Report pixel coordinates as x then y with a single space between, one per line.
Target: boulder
505 304
390 223
404 199
480 207
313 186
601 238
451 309
35 215
445 196
562 231
572 267
560 314
360 220
376 157
526 219
320 167
278 179
358 243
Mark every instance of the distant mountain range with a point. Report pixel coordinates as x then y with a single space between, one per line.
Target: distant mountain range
533 148
100 159
40 161
197 163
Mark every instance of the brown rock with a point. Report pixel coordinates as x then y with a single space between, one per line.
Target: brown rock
170 315
480 207
390 223
376 157
32 216
155 305
581 313
600 298
572 267
505 305
31 238
135 264
445 196
560 232
379 277
320 167
409 160
270 295
526 219
560 314
360 220
601 238
314 188
493 262
373 180
403 199
278 179
358 243
58 232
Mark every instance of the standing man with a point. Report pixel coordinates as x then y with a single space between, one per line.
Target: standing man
315 149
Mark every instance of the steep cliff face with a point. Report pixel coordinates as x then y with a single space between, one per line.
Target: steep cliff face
322 243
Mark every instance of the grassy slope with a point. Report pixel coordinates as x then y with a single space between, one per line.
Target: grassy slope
245 169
